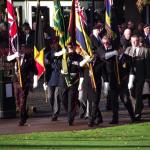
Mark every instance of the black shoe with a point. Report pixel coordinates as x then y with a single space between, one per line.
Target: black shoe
81 116
21 123
108 108
137 117
86 117
54 119
114 122
132 119
70 123
98 121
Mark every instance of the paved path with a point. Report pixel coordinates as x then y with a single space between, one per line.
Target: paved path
41 121
44 123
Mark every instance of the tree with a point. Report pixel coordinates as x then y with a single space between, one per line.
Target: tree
141 3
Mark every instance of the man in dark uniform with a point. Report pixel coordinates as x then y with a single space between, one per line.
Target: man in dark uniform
146 35
69 93
140 71
89 92
27 38
97 70
95 37
118 72
23 81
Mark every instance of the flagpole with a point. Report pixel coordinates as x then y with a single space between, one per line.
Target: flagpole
38 2
18 60
117 64
18 63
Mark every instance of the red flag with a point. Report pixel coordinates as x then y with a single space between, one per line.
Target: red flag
13 31
13 35
71 28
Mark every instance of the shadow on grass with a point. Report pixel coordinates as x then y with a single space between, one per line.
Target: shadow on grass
88 139
15 146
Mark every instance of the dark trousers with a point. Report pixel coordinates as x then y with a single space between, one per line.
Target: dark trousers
123 92
69 97
21 99
53 96
108 101
114 103
93 96
97 113
138 96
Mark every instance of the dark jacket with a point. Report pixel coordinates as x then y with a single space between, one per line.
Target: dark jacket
53 69
124 42
28 70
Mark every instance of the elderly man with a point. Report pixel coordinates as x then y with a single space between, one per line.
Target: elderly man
125 39
117 73
140 71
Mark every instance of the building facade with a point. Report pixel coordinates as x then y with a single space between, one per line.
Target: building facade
27 8
126 9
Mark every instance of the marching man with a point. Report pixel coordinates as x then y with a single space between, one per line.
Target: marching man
23 81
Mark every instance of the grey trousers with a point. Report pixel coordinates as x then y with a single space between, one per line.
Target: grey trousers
53 97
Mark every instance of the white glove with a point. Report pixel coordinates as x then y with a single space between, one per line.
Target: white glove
85 60
80 96
80 84
130 83
35 81
106 88
60 53
13 56
45 86
111 54
115 52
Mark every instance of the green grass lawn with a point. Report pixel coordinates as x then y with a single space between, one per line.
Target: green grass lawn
127 137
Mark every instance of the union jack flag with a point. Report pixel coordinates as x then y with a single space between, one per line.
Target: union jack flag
13 31
80 12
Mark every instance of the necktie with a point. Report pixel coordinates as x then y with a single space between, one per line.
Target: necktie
134 53
147 38
98 39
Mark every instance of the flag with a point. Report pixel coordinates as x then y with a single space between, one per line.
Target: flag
78 21
108 19
59 24
13 36
111 22
71 34
59 27
13 31
112 30
39 43
76 29
82 39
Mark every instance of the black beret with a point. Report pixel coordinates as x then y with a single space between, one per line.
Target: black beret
146 25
